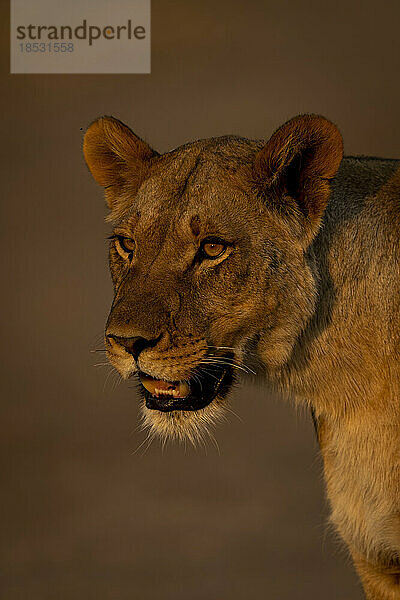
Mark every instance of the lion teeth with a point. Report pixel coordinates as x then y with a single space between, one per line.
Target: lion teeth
161 392
158 387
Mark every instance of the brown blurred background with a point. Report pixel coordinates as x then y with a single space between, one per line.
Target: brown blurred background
84 516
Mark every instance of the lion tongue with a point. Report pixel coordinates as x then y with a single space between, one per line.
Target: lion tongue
158 387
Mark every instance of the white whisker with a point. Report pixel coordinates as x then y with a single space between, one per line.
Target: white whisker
219 361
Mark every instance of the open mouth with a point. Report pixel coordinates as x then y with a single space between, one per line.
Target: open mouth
191 394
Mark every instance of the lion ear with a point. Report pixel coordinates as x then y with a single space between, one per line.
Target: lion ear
294 169
115 155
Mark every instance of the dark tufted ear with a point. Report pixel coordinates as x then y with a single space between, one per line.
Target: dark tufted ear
293 170
116 156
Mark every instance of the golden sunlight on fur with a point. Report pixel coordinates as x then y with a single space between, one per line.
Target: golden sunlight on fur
232 257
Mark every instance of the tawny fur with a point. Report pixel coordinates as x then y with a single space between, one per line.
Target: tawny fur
307 296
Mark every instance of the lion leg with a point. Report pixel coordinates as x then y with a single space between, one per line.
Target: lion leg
380 582
361 469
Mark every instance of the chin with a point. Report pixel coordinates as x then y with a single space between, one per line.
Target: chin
181 425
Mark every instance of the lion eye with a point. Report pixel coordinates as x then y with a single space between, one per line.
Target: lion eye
213 249
126 244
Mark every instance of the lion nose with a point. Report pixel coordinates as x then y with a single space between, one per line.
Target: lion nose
133 345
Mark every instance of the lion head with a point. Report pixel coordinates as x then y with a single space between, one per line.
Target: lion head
208 258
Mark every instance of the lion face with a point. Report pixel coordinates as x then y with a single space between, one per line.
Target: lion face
207 258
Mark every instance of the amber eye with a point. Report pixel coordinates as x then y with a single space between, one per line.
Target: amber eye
213 248
126 244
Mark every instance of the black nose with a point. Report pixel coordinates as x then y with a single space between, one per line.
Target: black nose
133 345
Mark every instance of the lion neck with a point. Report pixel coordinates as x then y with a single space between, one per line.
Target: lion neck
331 365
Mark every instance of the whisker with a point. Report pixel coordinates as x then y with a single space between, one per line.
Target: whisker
197 378
223 357
109 374
214 441
117 382
231 360
210 373
222 347
228 408
216 361
164 442
149 439
200 437
230 348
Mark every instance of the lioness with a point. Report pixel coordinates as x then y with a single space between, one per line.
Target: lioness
280 257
